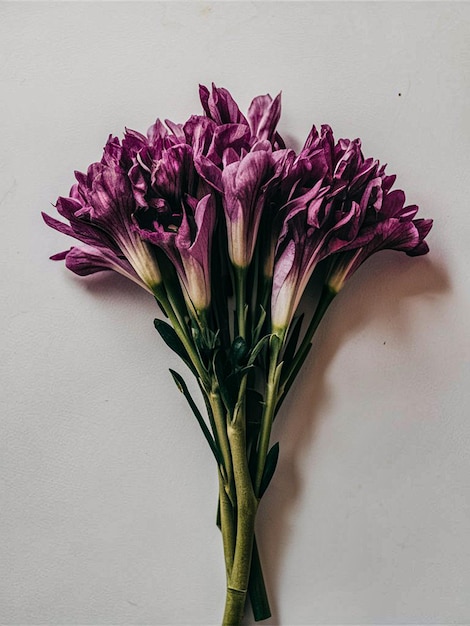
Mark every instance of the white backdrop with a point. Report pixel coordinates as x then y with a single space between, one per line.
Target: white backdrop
108 491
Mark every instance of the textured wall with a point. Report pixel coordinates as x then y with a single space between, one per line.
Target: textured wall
107 490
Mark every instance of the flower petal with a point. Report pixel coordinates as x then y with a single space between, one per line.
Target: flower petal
263 116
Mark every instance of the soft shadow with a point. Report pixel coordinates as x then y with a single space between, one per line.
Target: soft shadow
113 286
381 289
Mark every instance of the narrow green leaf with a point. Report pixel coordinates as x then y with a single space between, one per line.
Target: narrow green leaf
259 325
269 468
169 336
160 306
292 340
257 349
287 383
218 519
207 434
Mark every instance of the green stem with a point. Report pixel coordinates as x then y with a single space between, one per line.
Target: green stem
240 294
182 333
326 299
247 505
227 526
220 422
268 413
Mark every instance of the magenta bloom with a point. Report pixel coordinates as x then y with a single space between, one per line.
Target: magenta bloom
312 231
392 228
240 163
177 210
100 211
262 117
352 215
166 188
186 238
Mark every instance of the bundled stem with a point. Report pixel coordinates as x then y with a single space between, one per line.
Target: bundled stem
240 489
247 505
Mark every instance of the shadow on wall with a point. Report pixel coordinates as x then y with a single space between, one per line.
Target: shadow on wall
380 291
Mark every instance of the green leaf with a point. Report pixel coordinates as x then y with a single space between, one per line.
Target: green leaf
207 434
169 336
289 379
160 306
257 349
292 341
269 468
259 325
218 519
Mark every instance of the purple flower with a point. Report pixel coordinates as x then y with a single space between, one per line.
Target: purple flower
243 200
262 117
353 215
186 238
290 190
100 212
311 232
164 189
176 206
384 223
239 163
392 228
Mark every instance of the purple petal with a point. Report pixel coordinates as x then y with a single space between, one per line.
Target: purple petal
88 260
205 218
198 131
68 207
220 106
209 172
139 184
372 196
171 175
235 136
393 203
241 181
157 132
66 229
133 142
263 116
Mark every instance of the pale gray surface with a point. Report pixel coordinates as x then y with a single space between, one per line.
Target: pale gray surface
108 492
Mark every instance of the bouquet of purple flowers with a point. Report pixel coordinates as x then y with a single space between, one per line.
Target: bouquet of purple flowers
225 226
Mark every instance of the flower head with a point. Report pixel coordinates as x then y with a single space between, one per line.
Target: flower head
294 210
312 231
239 164
339 206
186 239
100 211
262 117
392 227
176 206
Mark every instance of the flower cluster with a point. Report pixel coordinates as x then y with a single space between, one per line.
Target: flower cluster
170 188
225 226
